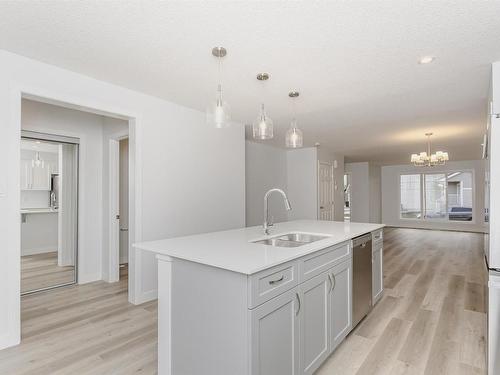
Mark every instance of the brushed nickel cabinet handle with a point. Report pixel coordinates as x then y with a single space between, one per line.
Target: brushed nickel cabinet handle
331 283
276 281
334 281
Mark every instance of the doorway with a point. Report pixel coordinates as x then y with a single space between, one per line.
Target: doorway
49 211
325 193
347 197
123 206
118 210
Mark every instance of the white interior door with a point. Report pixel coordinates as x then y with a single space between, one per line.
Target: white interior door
124 176
325 193
114 210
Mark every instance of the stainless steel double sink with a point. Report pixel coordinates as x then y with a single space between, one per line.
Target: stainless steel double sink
295 239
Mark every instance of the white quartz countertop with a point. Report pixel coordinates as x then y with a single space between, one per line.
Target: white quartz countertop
233 249
45 210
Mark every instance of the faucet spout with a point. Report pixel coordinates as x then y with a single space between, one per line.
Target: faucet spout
267 224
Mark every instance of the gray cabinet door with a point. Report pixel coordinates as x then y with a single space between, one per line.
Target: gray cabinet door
275 336
377 273
340 303
314 318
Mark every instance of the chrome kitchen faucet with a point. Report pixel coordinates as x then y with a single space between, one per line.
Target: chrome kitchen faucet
267 224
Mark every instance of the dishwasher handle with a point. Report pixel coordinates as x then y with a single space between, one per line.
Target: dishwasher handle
361 240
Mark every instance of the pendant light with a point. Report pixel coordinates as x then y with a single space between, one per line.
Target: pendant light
263 125
218 113
37 161
294 138
427 158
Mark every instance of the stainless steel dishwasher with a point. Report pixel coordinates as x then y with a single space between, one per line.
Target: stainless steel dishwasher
362 277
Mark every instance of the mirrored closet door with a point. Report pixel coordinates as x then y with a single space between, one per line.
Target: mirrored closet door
49 211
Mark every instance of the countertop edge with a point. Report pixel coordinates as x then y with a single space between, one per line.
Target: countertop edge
149 246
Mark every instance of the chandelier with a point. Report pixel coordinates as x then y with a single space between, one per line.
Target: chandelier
427 159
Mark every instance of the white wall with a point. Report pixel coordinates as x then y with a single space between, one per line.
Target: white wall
302 182
391 191
495 86
35 198
325 155
375 193
190 177
47 118
266 168
366 199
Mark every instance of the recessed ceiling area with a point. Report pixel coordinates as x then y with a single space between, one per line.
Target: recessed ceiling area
357 65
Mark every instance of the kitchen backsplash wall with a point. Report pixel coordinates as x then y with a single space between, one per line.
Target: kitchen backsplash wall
34 199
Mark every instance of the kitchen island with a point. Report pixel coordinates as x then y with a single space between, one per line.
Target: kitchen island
229 305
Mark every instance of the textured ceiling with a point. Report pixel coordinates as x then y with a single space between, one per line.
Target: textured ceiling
355 63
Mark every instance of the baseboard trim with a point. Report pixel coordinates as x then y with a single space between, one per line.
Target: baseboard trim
39 250
6 341
85 279
144 297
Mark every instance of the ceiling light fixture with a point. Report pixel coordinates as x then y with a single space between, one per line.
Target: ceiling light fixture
427 159
426 60
37 161
263 125
294 137
218 114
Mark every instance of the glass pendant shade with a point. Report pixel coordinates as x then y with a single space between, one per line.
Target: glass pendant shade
37 161
294 138
218 113
263 126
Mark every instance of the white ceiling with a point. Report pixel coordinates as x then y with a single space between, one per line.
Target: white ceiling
355 63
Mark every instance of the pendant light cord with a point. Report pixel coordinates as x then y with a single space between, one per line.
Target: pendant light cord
219 73
294 112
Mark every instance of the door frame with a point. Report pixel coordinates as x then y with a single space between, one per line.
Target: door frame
349 177
113 273
136 295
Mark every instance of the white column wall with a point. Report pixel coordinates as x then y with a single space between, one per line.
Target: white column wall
266 168
302 181
360 191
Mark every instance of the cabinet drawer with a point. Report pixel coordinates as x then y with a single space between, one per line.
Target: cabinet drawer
322 260
270 283
378 235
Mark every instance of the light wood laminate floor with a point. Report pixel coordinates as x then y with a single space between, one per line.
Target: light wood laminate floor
431 319
40 271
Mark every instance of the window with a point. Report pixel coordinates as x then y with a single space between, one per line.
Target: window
410 196
437 196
